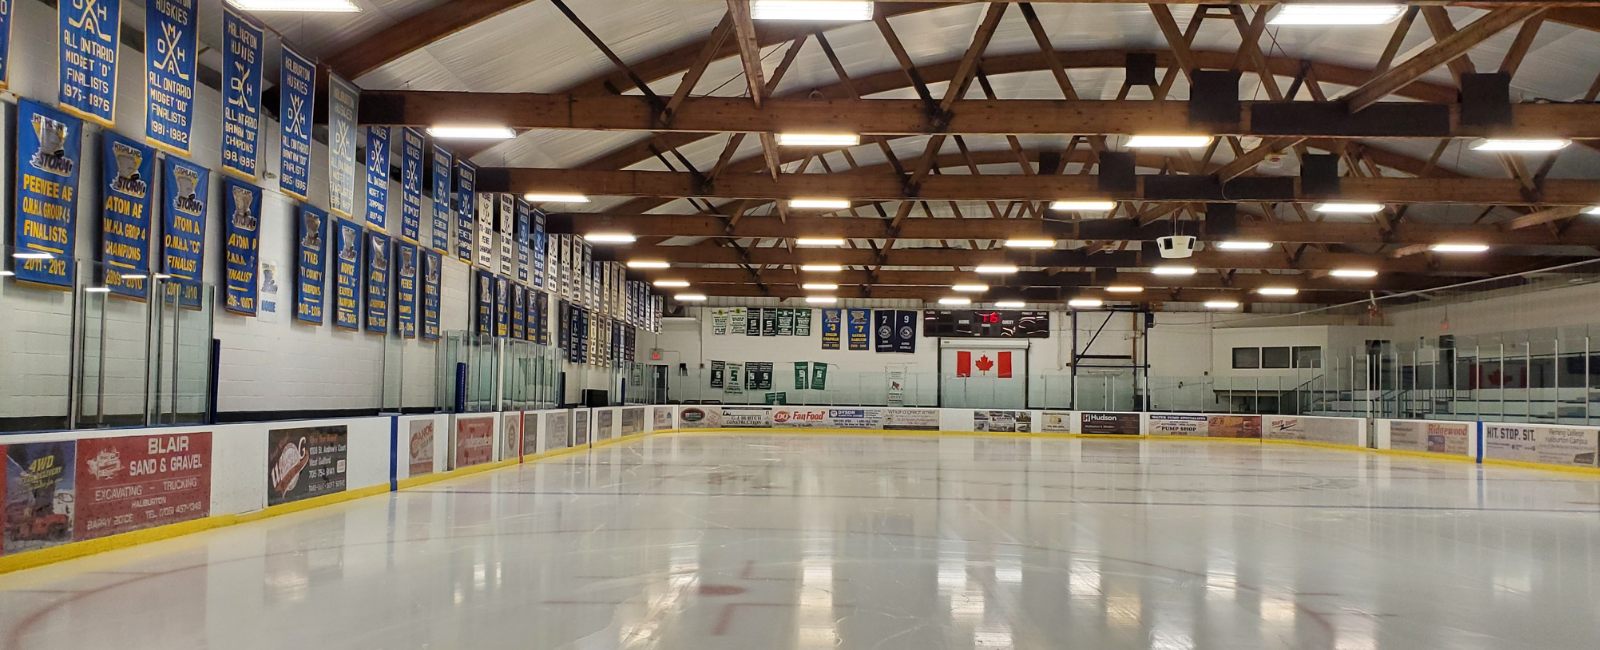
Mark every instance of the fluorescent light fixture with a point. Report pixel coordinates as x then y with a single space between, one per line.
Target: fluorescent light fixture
819 204
1353 273
542 197
672 284
1348 208
307 6
1278 291
1086 205
1244 245
995 269
32 256
1173 270
819 286
648 264
690 297
1085 302
1011 304
818 139
1168 141
1123 288
955 301
821 268
819 241
472 132
814 10
1594 209
610 238
1222 304
1336 14
97 289
1458 248
970 288
1030 243
1522 145
821 300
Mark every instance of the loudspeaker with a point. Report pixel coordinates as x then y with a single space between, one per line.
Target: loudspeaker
1116 172
1104 277
1049 163
1176 247
1319 174
1140 68
1214 97
1486 98
596 398
1222 220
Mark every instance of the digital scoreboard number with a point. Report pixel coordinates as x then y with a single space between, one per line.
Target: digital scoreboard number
985 324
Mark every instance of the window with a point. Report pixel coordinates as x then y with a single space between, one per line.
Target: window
1307 356
1247 357
1275 357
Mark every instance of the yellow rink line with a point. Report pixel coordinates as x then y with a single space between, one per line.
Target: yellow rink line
73 550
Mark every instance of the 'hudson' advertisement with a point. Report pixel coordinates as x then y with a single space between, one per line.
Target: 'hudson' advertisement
1113 424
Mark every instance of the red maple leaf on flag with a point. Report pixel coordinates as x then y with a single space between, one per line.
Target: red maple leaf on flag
984 364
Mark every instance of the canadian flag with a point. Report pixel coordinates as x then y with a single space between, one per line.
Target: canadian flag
984 364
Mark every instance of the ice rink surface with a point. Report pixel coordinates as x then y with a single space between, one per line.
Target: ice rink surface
917 543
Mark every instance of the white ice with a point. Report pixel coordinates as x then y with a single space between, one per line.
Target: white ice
707 542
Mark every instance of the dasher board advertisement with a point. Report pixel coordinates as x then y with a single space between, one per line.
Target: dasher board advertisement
1117 424
1538 443
1205 426
1335 431
700 417
746 417
420 455
474 441
136 482
37 495
660 418
510 435
1003 421
1438 437
530 434
1056 421
306 462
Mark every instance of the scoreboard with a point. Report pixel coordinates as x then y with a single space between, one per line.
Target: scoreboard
987 324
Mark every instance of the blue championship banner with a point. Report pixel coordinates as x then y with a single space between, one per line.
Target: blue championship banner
502 306
183 228
508 229
169 55
347 276
47 194
297 96
5 45
856 322
528 333
377 283
432 268
538 242
831 319
410 184
378 178
905 331
466 202
405 308
443 162
126 169
519 312
883 330
344 99
241 94
523 222
312 269
241 211
539 318
89 31
483 303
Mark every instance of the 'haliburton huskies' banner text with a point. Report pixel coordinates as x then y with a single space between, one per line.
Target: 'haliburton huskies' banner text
378 177
466 202
347 276
89 31
343 103
183 233
523 222
312 267
169 55
484 303
241 95
519 309
5 45
507 226
433 264
538 241
377 283
485 231
46 228
443 162
410 184
126 168
406 289
241 210
297 95
502 306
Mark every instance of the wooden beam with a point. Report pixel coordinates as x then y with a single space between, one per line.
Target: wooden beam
1547 215
414 33
1443 51
701 277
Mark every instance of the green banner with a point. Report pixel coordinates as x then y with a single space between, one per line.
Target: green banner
819 375
777 398
802 322
802 375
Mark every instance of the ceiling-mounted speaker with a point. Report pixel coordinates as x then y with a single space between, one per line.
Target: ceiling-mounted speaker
1140 68
1486 98
1319 174
1116 172
1222 220
1049 163
1104 277
1214 97
1175 247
